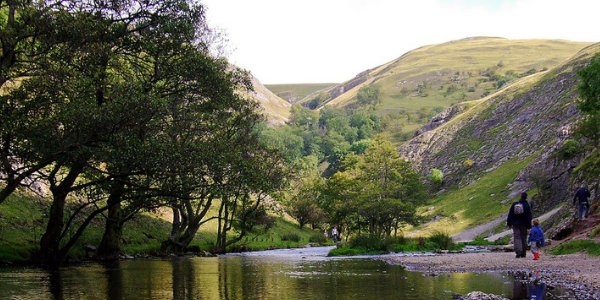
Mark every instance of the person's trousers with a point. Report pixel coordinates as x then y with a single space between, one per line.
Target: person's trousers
584 207
520 239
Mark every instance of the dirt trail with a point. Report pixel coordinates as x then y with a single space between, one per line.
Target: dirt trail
471 233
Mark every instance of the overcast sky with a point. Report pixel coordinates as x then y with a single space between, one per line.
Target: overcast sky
318 41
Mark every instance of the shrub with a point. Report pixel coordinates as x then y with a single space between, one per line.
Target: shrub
441 241
468 163
292 237
569 149
317 238
370 244
436 177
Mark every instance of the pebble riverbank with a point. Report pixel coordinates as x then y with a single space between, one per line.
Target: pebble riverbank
577 273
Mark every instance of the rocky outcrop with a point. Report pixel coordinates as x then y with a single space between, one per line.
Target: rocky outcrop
340 89
441 119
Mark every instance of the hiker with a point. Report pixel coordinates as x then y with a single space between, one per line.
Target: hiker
582 195
536 238
334 234
519 220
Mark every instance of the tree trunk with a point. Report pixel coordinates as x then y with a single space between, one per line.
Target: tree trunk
50 242
110 245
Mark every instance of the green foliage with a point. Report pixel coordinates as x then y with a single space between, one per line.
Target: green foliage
317 238
569 149
368 95
589 90
374 192
590 166
436 176
468 163
370 244
441 241
588 246
293 237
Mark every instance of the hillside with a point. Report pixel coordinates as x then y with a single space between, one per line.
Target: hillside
275 109
294 93
431 78
492 149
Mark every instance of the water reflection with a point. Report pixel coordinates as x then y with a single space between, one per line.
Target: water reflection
528 287
280 275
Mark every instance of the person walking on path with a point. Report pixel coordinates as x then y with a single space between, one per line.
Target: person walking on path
582 194
519 220
536 238
335 234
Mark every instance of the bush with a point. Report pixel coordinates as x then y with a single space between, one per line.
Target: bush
317 238
292 237
440 241
370 244
569 149
436 176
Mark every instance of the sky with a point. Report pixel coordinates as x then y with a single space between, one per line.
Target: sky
331 41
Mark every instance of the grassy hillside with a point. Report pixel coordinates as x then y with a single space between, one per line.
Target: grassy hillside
294 93
476 204
429 79
23 220
504 144
276 110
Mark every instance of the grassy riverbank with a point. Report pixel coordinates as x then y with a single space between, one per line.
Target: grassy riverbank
23 221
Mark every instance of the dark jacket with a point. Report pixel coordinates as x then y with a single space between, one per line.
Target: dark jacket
582 195
523 219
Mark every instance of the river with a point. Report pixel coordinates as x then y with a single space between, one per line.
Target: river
305 273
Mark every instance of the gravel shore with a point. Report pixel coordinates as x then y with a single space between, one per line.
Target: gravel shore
577 273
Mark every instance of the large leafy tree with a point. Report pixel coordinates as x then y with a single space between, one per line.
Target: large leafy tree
29 32
125 114
378 189
589 90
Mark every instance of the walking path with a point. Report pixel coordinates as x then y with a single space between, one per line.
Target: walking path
471 233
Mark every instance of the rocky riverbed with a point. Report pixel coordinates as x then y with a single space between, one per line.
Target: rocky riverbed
578 273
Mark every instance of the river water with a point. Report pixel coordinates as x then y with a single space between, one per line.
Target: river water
268 275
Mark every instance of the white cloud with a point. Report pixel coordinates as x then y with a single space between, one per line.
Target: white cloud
284 41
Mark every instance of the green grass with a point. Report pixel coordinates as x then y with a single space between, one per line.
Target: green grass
367 245
453 72
587 246
472 205
301 91
23 221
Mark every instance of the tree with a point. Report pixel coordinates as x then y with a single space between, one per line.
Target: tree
28 33
303 117
118 113
376 192
368 95
244 192
305 191
589 105
391 189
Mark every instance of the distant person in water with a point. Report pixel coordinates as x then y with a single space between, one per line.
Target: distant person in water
519 220
536 238
581 195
